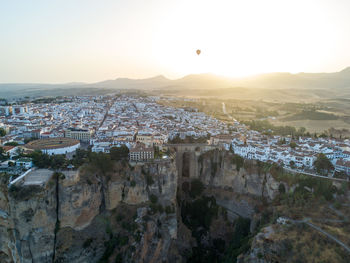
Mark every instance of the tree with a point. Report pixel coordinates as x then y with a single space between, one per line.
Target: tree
119 153
80 157
291 163
301 131
40 159
281 188
292 145
281 141
101 161
2 132
58 161
323 164
11 144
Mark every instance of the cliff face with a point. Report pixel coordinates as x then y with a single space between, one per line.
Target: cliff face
29 224
218 169
8 251
130 213
236 186
68 219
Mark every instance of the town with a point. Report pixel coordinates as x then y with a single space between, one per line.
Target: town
100 123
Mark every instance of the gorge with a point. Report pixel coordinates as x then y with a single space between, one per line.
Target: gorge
201 206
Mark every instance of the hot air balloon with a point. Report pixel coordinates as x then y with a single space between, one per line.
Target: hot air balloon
198 51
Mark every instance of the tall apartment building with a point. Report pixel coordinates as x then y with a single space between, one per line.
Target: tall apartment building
5 110
18 109
82 135
141 153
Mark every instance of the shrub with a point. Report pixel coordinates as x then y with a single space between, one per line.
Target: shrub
160 208
238 161
87 243
185 187
197 188
199 213
110 246
137 236
124 240
168 209
240 242
149 179
119 258
24 192
133 183
281 188
337 205
153 198
130 227
120 217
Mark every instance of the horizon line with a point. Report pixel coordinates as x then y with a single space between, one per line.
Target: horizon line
172 79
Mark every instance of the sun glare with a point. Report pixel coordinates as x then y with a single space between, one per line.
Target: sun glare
243 38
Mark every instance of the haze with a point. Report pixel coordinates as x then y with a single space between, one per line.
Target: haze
69 41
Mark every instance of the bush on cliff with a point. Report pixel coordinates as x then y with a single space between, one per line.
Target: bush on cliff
153 198
24 192
240 241
197 188
199 213
238 161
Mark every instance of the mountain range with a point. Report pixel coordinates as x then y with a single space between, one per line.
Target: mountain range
334 83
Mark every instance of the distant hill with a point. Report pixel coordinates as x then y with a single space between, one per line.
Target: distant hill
316 85
337 80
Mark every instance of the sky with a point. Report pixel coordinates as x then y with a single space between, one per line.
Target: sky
60 41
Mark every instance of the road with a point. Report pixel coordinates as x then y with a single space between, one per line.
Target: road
314 175
225 112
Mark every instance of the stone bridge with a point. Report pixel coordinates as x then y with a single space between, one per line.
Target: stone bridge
187 157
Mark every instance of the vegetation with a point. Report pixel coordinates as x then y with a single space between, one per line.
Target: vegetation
80 157
153 198
43 100
308 189
199 213
24 192
2 132
11 144
149 179
158 154
293 145
101 162
268 128
240 241
238 161
42 160
311 115
197 188
323 164
119 153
